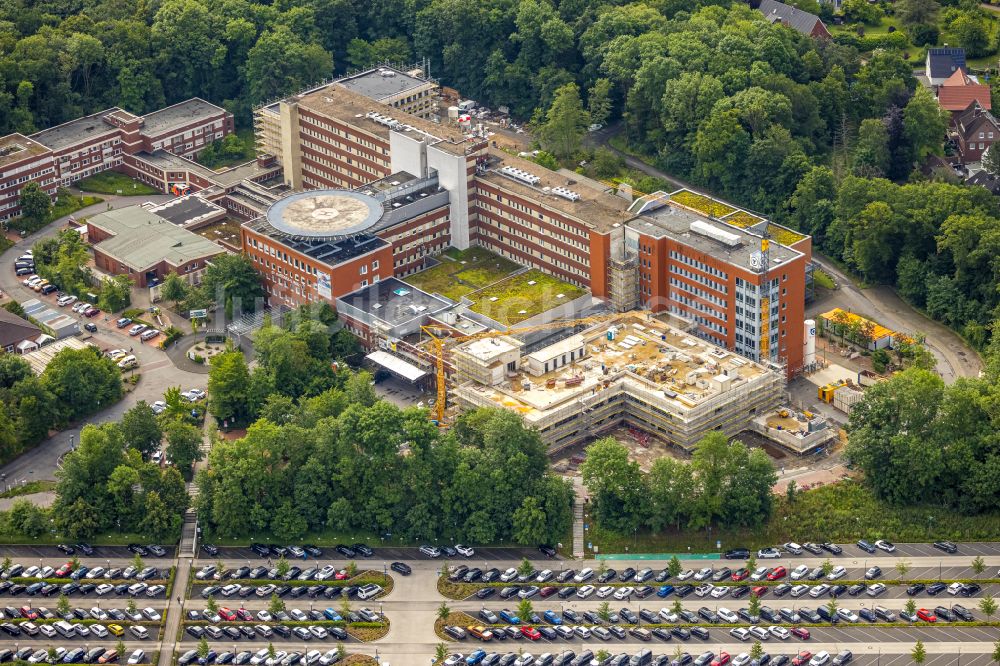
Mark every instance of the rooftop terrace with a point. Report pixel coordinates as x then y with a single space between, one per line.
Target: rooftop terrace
523 296
17 147
462 272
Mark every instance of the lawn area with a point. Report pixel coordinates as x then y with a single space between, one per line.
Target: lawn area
463 271
29 488
237 148
523 296
840 512
823 279
112 182
68 203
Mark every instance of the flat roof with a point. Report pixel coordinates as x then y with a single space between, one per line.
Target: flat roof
394 302
725 242
40 358
182 211
223 177
324 214
142 239
354 108
75 131
396 365
178 115
380 83
17 147
598 210
488 349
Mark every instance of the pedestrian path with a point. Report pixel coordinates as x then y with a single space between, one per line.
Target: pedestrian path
578 551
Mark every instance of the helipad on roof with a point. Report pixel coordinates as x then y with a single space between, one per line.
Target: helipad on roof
324 214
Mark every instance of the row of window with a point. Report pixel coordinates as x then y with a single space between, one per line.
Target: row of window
545 261
484 195
701 293
336 131
700 265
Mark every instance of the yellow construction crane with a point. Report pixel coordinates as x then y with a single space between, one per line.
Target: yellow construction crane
439 342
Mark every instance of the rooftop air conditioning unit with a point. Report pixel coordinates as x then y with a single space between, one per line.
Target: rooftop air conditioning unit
521 175
566 194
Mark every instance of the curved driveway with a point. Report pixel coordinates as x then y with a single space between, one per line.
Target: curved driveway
158 372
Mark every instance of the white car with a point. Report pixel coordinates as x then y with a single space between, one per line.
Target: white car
799 572
798 590
821 658
47 630
728 615
955 588
668 615
886 546
103 589
819 590
137 329
329 571
99 630
704 589
581 631
149 335
333 656
151 614
836 572
30 572
760 573
704 574
779 632
98 614
793 548
585 591
96 572
196 394
605 591
508 575
543 575
875 590
740 633
847 614
45 572
465 551
742 659
158 407
264 616
760 633
312 657
527 659
687 573
768 554
719 591
298 615
584 575
318 631
624 592
136 657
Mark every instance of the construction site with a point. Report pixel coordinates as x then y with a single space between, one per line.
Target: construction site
636 370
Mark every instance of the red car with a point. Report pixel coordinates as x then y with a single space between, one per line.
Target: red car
227 615
28 613
801 632
777 574
722 659
244 615
92 312
759 590
64 570
531 632
548 591
802 658
740 574
341 575
926 615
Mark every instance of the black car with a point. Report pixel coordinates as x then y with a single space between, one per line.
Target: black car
460 571
547 551
345 550
485 593
607 575
740 591
138 549
708 615
565 575
401 567
313 551
627 574
232 632
510 591
856 589
337 632
84 589
566 592
209 549
662 576
648 615
838 590
681 632
195 631
969 589
662 633
737 554
946 546
548 632
809 614
277 550
915 589
866 546
68 550
282 590
571 615
360 548
617 631
688 616
260 549
873 573
627 615
962 612
813 548
683 590
700 632
769 614
934 588
282 630
944 613
781 589
448 551
831 548
642 591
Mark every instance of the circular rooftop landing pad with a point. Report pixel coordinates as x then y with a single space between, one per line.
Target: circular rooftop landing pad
324 214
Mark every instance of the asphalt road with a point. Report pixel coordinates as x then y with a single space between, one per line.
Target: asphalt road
158 372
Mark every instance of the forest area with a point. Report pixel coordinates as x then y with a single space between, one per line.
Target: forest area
826 136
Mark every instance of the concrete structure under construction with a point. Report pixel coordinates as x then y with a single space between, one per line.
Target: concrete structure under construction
639 370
